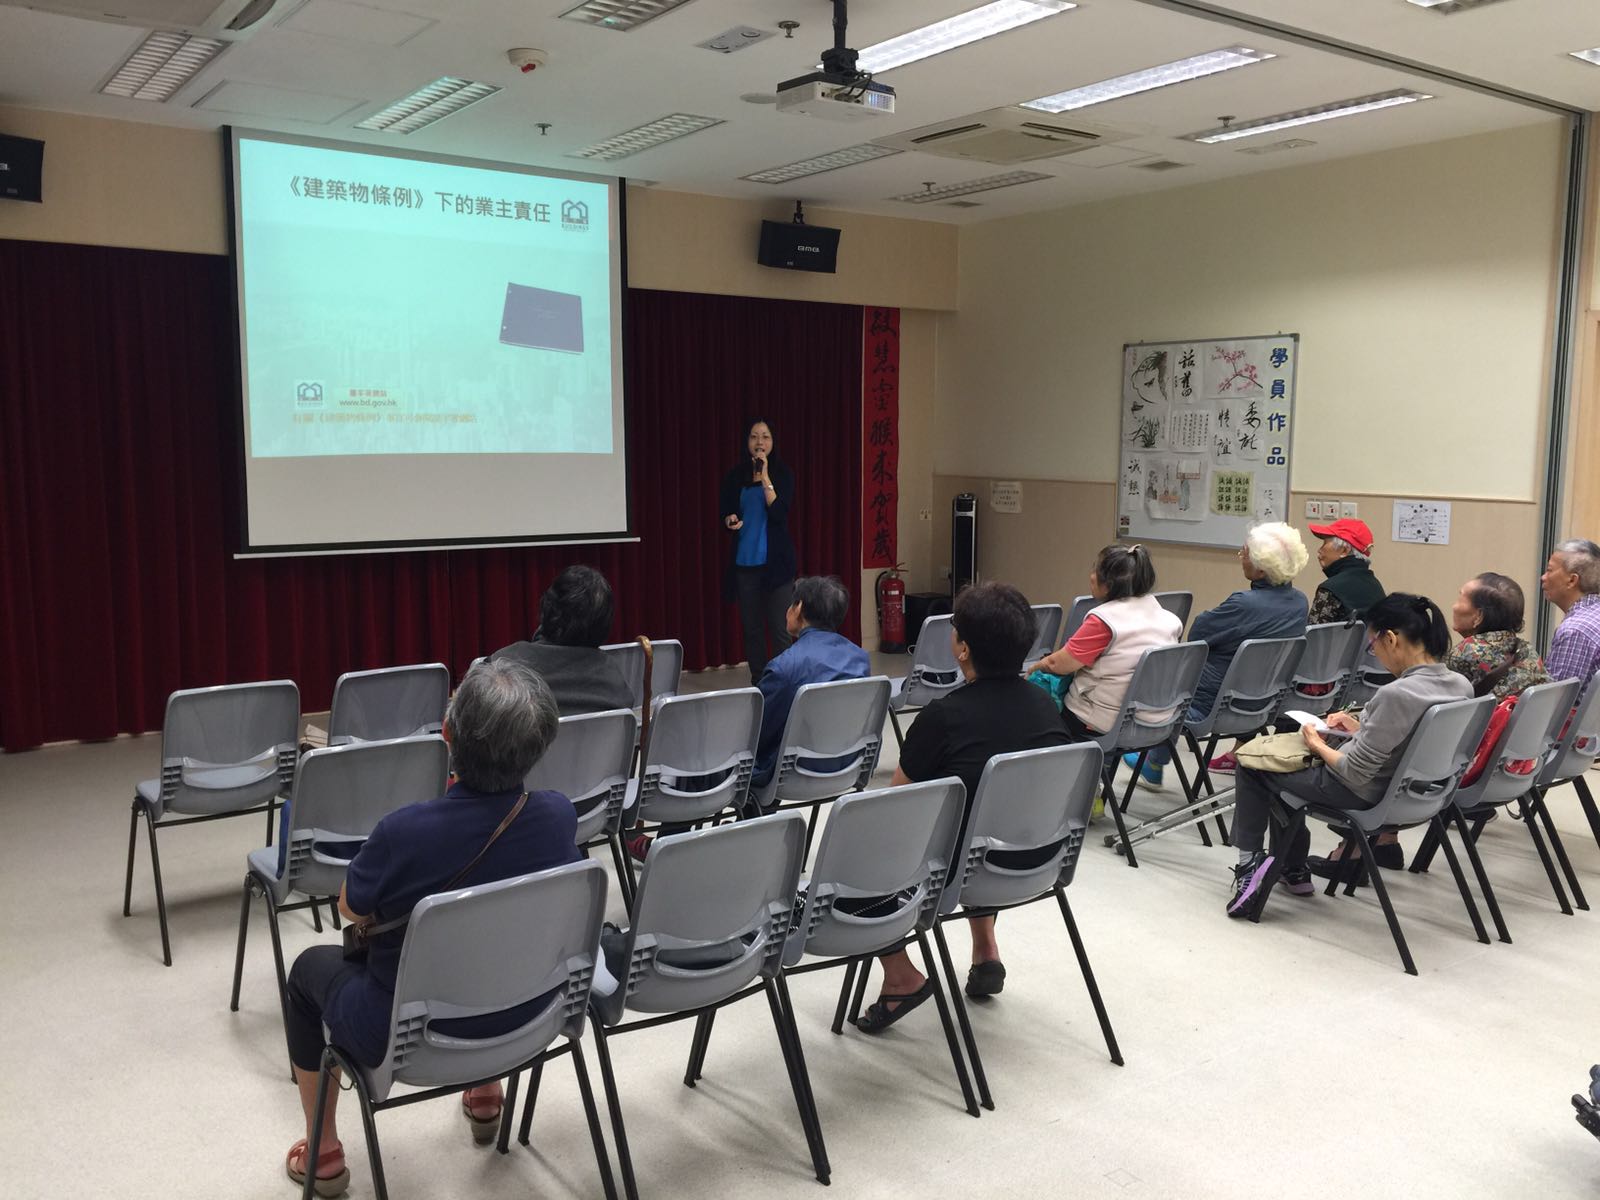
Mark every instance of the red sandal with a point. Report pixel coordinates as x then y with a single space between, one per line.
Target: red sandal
326 1184
482 1106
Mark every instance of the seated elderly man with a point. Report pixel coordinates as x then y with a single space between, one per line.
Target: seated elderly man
1571 581
574 620
817 654
1346 559
1271 607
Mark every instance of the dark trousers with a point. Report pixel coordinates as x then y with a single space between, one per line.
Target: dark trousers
316 975
1076 729
1254 792
761 614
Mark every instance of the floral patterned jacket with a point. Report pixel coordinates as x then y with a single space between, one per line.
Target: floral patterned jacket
1477 657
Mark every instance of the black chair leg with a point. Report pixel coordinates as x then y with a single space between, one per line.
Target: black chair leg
369 1126
1544 856
1189 793
271 805
1537 805
1376 876
244 928
1133 779
161 895
1423 858
786 1009
591 1115
971 1043
861 990
697 1048
1109 798
618 854
316 915
1586 798
535 1075
133 842
619 1132
1088 977
318 1112
1437 828
845 985
1483 876
789 1044
333 912
508 1111
956 1059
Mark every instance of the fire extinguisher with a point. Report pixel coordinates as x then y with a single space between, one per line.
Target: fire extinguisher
891 593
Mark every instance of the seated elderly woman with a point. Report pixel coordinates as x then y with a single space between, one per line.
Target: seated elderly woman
997 712
1409 638
498 725
574 621
1272 555
1103 653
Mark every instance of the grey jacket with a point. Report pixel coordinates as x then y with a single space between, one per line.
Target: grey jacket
1372 754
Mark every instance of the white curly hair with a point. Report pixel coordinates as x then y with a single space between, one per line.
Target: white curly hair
1276 549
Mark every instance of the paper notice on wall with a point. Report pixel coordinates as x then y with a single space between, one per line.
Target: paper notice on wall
1130 491
1231 493
1146 395
1269 503
1423 521
1175 488
1188 385
1189 430
1005 495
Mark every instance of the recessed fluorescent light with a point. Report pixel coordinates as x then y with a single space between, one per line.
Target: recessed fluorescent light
1446 8
1147 80
1588 56
987 184
621 15
1276 147
848 157
643 137
427 105
1307 116
960 30
160 65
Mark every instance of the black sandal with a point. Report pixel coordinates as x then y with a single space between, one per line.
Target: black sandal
879 1016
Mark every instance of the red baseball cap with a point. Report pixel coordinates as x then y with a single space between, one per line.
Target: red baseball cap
1347 529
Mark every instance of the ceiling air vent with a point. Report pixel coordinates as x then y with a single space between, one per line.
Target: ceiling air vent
228 20
1160 164
1004 136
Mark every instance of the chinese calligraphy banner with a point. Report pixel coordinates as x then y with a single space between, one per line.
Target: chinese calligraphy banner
1205 438
880 436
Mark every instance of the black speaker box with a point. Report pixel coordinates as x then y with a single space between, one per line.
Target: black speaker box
798 247
21 168
963 541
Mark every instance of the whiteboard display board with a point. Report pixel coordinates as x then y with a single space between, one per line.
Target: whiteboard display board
1205 438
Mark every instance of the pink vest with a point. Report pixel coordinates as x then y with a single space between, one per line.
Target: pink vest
1137 624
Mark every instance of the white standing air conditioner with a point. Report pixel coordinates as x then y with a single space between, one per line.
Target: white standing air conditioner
228 20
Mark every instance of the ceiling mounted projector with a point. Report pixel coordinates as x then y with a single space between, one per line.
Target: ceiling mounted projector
839 91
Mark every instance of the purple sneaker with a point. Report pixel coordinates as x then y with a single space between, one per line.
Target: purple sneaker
1247 879
1298 883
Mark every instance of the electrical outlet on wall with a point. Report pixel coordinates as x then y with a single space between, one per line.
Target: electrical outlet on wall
1347 508
925 514
1313 510
1330 510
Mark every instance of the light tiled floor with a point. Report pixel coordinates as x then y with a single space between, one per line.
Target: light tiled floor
1290 1058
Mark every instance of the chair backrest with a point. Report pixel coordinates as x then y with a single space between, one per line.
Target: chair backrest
830 741
1178 604
1157 701
1431 765
590 763
391 702
1030 800
666 667
711 915
691 739
229 747
1081 607
1326 666
341 792
1254 686
1367 674
1047 628
485 949
1531 733
893 842
1580 741
933 672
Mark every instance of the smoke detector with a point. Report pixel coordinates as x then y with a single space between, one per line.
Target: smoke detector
526 59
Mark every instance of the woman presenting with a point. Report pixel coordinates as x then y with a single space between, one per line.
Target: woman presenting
755 500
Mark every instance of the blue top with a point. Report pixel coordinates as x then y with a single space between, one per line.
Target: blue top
752 550
817 656
1266 610
413 852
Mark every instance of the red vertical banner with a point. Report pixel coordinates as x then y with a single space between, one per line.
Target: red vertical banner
880 437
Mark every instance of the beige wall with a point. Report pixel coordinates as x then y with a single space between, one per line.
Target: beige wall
1422 285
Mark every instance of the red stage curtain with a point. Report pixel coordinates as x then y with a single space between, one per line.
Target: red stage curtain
118 500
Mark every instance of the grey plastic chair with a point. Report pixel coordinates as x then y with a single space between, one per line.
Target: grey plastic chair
392 702
590 763
1178 604
339 794
1420 791
226 751
710 925
1533 733
830 746
1153 712
1326 666
1367 674
1031 809
475 952
1048 619
666 667
1082 606
1576 753
933 672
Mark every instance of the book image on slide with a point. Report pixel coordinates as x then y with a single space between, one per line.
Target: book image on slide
541 319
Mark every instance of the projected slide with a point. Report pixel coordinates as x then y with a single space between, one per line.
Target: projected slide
399 306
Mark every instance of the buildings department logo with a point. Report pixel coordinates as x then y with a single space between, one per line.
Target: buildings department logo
308 395
575 215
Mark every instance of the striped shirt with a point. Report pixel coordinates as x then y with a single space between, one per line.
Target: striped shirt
1575 649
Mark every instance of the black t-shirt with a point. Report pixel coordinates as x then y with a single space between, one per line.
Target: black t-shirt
958 734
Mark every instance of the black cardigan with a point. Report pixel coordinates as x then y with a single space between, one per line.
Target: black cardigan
780 568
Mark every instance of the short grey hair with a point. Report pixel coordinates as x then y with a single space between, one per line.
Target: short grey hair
502 719
1339 542
823 601
1582 558
1277 550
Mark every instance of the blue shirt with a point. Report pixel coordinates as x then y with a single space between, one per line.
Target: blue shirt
752 551
817 656
1266 610
413 852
